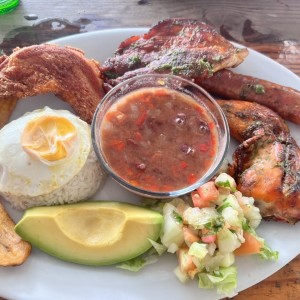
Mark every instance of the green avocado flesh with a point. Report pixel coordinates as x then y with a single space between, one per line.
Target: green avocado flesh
91 233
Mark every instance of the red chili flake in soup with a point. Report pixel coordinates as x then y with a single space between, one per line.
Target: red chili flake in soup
158 139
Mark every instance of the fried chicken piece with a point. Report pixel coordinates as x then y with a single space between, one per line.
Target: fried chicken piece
183 47
13 250
281 99
64 71
266 165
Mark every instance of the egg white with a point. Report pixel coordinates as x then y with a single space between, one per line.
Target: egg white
22 174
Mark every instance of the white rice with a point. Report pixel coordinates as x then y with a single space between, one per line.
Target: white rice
81 187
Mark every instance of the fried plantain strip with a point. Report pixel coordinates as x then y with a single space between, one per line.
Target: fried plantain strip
6 109
13 250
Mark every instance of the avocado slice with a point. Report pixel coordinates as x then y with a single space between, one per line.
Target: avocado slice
91 233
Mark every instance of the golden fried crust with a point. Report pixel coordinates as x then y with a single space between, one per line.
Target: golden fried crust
64 71
13 250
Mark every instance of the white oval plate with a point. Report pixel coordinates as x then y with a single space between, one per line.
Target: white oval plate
45 277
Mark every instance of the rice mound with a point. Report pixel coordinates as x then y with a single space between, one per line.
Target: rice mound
81 187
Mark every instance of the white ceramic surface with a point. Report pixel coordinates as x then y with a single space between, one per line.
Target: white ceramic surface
44 277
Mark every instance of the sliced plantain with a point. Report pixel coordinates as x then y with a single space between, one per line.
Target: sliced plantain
13 250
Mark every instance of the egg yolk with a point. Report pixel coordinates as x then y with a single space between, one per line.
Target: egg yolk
49 138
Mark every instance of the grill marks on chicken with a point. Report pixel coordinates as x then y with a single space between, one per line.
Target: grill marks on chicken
183 47
266 165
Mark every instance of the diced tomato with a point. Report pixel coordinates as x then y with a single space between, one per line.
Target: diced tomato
183 165
199 109
205 195
251 245
141 118
189 235
208 193
196 199
209 238
211 125
185 260
203 147
192 178
117 144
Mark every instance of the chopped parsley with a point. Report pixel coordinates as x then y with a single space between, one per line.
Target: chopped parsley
205 65
111 74
177 217
259 89
133 60
267 253
215 225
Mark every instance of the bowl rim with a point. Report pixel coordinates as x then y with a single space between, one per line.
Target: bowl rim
178 192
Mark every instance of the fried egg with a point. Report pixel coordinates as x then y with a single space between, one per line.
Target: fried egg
42 151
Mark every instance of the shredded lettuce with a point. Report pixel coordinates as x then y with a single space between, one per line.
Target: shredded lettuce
224 280
204 281
267 253
160 249
247 227
139 262
133 265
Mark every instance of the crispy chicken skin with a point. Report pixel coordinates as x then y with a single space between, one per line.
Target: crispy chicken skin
266 165
228 85
183 47
13 250
64 71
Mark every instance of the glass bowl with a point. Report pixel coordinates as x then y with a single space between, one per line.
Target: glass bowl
160 136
